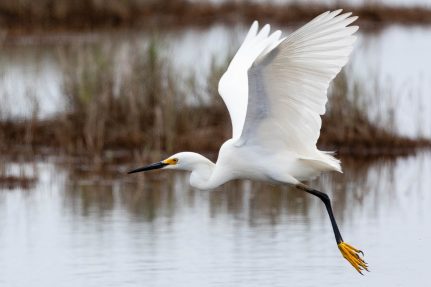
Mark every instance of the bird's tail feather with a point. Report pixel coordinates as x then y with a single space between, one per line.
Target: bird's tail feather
325 161
328 158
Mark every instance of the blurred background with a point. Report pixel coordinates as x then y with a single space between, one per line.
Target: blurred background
90 89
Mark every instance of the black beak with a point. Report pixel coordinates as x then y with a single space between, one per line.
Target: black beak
156 165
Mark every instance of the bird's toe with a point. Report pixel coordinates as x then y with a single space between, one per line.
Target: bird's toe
351 254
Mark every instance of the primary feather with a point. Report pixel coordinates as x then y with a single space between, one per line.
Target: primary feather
276 89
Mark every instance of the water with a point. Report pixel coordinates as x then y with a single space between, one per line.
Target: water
73 228
155 230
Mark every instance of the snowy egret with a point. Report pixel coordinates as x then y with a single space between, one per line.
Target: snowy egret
275 89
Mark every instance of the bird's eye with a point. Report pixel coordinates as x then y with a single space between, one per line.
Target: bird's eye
175 160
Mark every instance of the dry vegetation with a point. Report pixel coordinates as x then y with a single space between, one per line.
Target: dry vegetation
348 128
83 14
143 110
11 181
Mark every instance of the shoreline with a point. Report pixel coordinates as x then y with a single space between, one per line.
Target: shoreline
44 138
28 19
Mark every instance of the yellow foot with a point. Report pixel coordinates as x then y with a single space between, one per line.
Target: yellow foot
352 255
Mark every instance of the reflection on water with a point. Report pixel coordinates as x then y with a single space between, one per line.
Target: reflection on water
157 231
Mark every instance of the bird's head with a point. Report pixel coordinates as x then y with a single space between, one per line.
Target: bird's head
178 161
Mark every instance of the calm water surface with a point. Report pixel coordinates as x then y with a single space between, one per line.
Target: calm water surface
76 229
71 229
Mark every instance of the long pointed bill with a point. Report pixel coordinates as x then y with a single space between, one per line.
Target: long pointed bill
152 166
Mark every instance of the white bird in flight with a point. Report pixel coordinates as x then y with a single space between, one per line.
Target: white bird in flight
275 89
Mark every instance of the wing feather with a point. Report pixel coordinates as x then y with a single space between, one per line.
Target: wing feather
233 85
291 84
276 88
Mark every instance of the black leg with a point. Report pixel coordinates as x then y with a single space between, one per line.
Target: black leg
349 252
325 198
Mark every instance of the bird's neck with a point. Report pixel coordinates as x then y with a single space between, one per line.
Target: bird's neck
202 173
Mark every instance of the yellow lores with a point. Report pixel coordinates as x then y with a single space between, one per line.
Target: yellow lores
170 161
352 255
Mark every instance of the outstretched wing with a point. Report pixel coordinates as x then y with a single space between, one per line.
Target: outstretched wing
287 88
233 85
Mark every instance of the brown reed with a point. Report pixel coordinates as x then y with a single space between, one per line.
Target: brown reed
144 110
83 14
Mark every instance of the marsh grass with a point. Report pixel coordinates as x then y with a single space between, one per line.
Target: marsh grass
12 182
105 109
138 106
83 14
350 128
141 107
21 179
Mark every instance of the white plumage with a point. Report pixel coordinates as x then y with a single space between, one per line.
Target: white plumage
275 90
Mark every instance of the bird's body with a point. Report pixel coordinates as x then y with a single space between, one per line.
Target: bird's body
250 162
275 90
